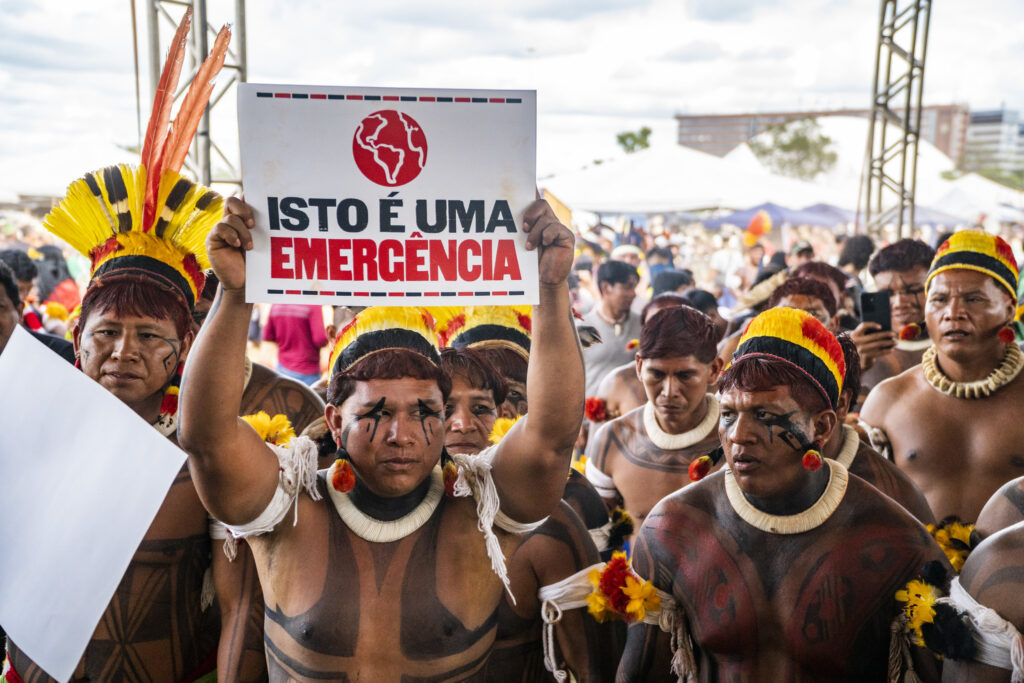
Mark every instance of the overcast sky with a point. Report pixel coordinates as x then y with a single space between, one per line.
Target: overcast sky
67 94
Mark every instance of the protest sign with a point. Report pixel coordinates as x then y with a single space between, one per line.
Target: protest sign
379 196
77 502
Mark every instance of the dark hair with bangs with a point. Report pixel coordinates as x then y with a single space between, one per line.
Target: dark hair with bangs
476 369
9 284
805 286
764 374
386 364
901 255
679 331
851 382
661 302
823 271
124 296
510 364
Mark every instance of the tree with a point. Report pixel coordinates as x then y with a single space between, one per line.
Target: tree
795 148
632 142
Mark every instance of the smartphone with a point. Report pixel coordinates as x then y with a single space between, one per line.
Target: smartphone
874 308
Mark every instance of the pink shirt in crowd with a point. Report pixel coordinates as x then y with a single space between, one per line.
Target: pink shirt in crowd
298 331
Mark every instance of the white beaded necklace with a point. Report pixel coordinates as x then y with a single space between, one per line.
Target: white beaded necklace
377 531
810 518
1005 373
675 442
851 444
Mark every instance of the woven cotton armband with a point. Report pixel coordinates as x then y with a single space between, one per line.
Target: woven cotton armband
298 463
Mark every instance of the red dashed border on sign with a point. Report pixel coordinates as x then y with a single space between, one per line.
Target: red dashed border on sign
444 99
311 292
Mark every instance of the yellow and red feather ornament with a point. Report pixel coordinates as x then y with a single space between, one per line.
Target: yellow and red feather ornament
148 221
276 430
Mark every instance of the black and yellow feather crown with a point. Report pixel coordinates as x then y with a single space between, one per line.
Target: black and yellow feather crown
149 221
385 328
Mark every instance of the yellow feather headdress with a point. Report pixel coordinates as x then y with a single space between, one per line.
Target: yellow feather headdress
149 221
487 327
382 328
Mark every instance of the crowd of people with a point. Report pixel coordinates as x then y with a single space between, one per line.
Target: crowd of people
642 477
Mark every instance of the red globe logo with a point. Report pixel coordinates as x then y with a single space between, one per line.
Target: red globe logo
389 147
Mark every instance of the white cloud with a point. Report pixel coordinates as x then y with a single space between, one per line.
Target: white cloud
599 66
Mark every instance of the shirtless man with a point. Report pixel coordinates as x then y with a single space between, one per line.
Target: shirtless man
900 269
419 602
559 548
501 334
859 457
132 336
621 390
645 455
991 581
782 569
958 412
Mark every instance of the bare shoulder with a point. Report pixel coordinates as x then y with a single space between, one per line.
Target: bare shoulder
698 499
1003 509
994 573
886 392
601 448
614 379
864 504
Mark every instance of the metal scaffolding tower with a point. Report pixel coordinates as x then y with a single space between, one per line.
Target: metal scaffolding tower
160 12
890 163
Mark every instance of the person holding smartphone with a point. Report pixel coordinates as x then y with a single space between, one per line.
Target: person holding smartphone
900 269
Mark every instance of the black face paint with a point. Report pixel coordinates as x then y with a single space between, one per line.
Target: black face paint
374 414
790 433
425 414
175 351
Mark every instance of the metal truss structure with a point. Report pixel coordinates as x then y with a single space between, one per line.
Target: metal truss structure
168 13
890 164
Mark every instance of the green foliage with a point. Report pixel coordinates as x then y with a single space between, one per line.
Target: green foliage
796 148
632 142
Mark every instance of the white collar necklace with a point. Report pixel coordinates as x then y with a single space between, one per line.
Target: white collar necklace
1005 372
851 444
377 531
675 442
810 518
913 344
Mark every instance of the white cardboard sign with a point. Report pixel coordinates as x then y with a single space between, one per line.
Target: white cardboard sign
388 196
83 477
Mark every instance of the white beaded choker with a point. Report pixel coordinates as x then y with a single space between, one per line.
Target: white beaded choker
377 531
675 442
1005 373
810 518
851 444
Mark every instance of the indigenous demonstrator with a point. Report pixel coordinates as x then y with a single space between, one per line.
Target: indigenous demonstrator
958 412
783 566
900 269
558 548
651 451
397 577
143 229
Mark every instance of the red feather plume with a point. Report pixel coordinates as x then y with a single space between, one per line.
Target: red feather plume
160 119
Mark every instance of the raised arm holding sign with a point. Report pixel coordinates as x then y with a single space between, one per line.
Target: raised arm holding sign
382 572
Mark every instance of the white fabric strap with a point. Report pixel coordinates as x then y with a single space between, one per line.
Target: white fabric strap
506 523
219 532
997 642
601 534
475 480
878 438
557 598
298 463
604 484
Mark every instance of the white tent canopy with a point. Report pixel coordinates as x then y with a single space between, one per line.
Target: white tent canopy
675 178
967 196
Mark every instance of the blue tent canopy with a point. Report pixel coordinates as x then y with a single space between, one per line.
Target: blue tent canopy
778 214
